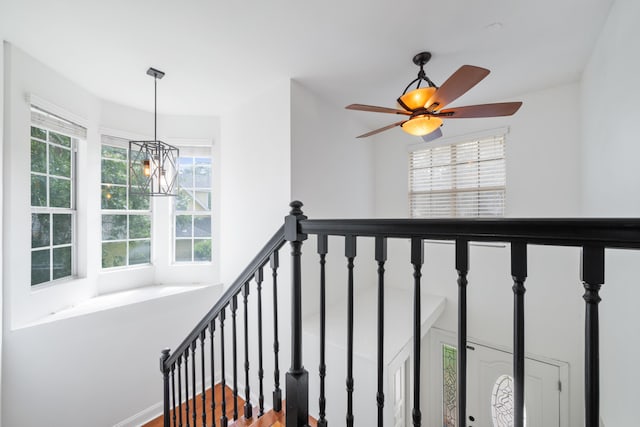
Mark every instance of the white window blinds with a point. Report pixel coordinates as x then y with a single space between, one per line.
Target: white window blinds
45 119
466 179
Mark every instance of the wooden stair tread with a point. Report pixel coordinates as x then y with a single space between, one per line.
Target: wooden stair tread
270 418
159 422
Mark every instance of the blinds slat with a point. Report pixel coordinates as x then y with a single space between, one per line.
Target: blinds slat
464 179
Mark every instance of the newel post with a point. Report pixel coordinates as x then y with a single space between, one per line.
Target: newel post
297 379
165 380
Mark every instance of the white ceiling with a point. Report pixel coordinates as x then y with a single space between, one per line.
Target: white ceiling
217 53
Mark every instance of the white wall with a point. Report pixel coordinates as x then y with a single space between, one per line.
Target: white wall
255 159
610 112
2 135
255 162
332 173
97 369
538 185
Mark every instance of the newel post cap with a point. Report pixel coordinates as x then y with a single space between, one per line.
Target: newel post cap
163 359
291 223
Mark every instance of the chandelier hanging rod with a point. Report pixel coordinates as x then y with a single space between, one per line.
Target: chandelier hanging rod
156 74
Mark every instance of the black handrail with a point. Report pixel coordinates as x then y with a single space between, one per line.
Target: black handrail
592 235
607 232
262 258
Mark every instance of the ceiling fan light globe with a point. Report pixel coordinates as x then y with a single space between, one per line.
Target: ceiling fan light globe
421 125
417 98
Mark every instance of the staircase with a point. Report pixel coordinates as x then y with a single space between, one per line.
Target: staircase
269 419
206 355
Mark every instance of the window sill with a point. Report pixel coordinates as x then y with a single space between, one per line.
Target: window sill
119 299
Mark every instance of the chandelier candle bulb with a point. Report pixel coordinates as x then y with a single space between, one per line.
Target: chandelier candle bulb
146 165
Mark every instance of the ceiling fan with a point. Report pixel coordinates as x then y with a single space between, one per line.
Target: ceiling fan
423 106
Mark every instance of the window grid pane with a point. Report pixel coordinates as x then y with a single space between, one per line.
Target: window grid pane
467 179
52 202
126 219
192 210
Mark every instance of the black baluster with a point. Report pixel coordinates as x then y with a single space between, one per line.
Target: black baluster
234 309
212 328
277 393
223 399
350 253
173 393
297 379
186 386
259 278
519 274
381 257
322 401
203 335
165 383
592 276
462 266
193 382
417 259
248 410
179 407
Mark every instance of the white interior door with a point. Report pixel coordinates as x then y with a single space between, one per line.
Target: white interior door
400 395
490 390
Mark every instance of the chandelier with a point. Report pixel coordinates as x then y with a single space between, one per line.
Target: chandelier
153 165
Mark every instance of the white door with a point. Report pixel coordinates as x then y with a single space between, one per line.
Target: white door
490 390
399 395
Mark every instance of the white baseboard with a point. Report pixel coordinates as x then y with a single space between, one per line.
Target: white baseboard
155 410
142 417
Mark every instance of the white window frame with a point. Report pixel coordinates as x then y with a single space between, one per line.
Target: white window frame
118 142
444 188
193 153
49 122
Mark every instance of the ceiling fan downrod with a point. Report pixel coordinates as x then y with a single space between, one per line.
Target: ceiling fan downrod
420 60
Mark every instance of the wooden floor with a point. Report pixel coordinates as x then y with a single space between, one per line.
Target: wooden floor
269 419
158 422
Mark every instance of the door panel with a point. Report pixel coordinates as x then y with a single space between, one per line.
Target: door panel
490 390
399 396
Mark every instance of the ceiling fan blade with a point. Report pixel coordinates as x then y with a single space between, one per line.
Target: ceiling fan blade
433 135
482 110
373 132
375 109
456 85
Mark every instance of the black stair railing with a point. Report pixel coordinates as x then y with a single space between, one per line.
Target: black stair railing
593 236
181 409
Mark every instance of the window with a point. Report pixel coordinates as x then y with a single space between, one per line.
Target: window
126 219
458 180
53 215
449 385
502 406
192 224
